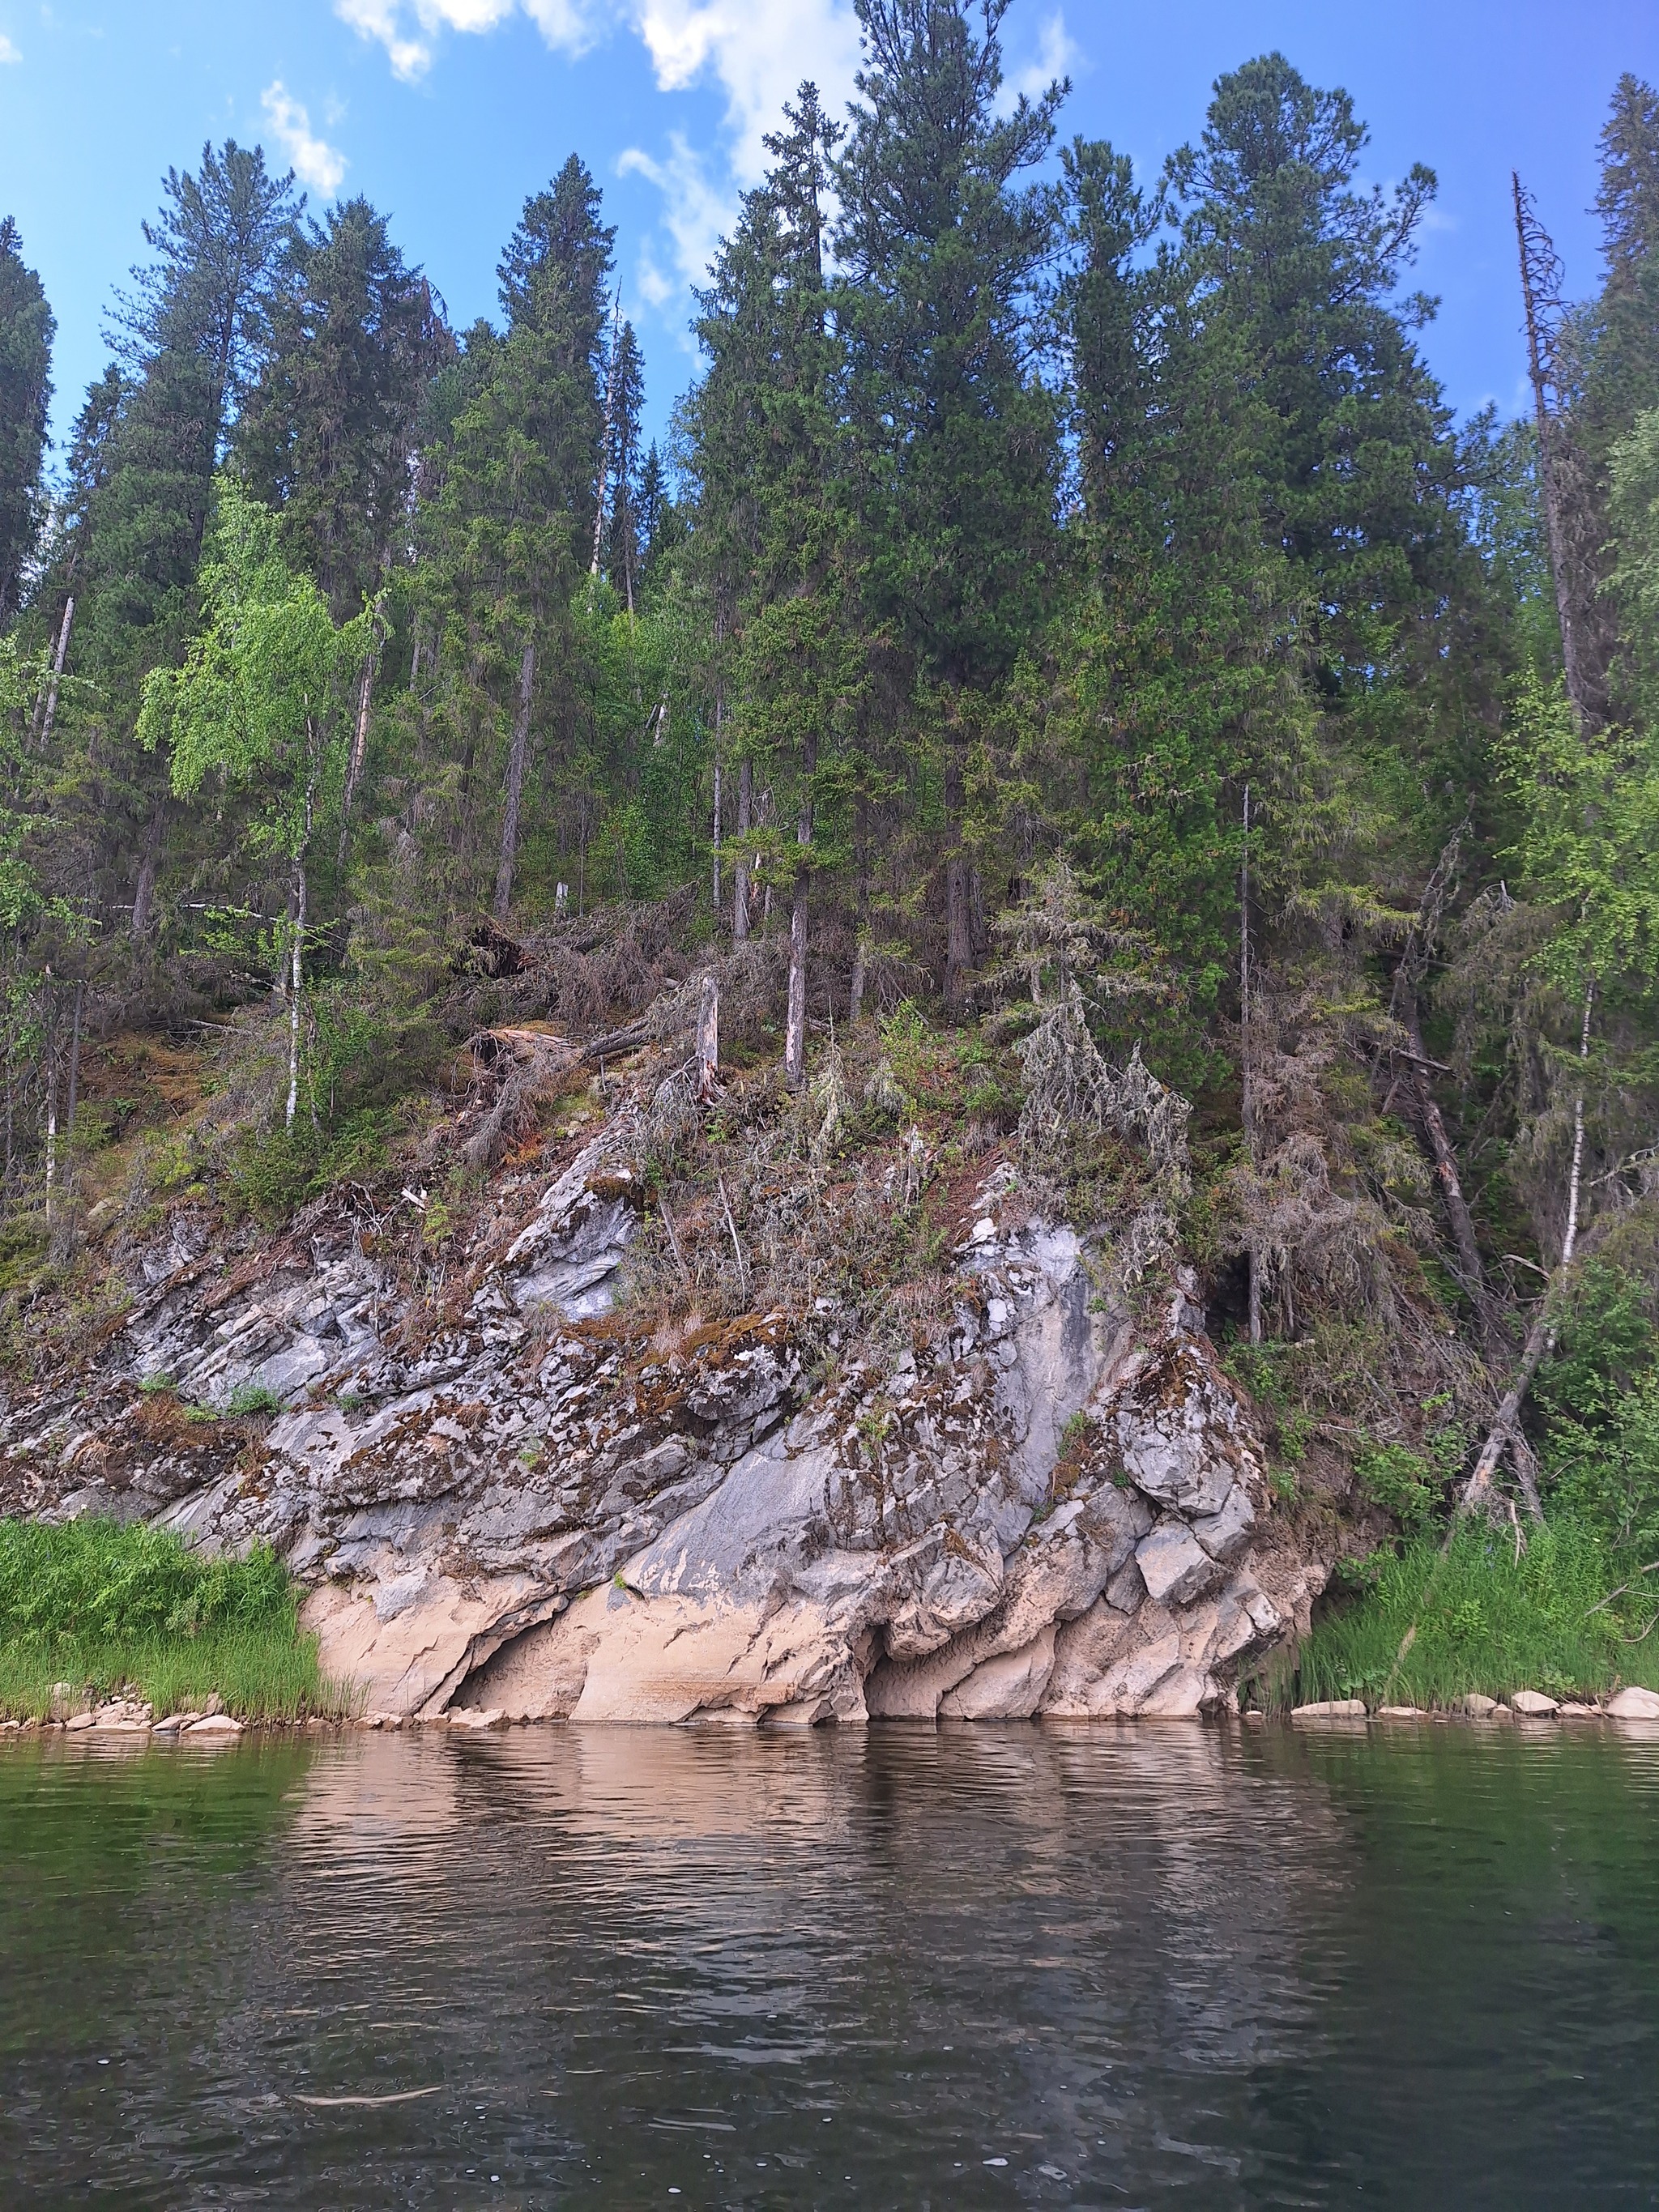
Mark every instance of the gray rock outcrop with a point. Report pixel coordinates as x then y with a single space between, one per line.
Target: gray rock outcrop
540 1510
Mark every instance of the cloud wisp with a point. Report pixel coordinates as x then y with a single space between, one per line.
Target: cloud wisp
8 52
318 165
756 52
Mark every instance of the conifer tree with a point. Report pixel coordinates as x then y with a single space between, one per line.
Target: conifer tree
26 329
621 550
954 432
522 469
325 434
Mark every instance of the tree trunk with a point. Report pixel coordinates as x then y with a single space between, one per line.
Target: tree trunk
1446 1165
708 1039
958 926
1575 1179
740 873
47 713
52 1099
74 1078
1540 1339
1536 255
860 978
295 984
958 939
297 973
794 1043
515 782
1247 1094
359 738
717 825
143 897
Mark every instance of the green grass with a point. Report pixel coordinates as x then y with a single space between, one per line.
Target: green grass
1484 1620
103 1606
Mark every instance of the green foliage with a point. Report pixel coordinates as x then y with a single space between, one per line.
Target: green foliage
98 1604
27 330
1486 1620
249 1399
1599 1396
92 1581
1406 1483
260 697
273 1172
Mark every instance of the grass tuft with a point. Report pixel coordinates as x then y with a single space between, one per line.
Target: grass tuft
103 1606
1553 1619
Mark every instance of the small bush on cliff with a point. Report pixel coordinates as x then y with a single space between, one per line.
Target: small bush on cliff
99 1605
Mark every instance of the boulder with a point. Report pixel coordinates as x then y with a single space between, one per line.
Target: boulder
1225 1535
1533 1704
1330 1709
1635 1704
1007 1688
1174 1565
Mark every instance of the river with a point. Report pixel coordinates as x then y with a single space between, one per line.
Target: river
1017 1965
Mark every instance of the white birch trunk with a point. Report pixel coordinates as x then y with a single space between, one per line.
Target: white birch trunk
49 705
296 973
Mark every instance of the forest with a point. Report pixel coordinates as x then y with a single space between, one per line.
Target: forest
1066 673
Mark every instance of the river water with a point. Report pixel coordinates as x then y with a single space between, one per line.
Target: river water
1019 1965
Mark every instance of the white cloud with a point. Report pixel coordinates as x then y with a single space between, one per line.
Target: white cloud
407 28
758 50
316 163
8 52
697 210
380 19
1058 55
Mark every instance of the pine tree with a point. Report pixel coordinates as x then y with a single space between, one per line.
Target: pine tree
26 329
621 553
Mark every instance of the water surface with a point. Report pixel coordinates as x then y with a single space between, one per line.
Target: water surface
1020 1965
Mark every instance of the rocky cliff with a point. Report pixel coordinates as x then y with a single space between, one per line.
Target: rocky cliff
544 1508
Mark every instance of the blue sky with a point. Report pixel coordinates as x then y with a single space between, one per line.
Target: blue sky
448 112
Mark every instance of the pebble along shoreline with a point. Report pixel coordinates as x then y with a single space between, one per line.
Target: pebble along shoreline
210 1723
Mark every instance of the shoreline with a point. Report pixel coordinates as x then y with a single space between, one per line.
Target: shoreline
121 1719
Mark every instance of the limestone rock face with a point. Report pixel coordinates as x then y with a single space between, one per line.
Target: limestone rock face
1053 1510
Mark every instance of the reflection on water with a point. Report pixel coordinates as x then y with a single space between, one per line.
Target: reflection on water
988 1966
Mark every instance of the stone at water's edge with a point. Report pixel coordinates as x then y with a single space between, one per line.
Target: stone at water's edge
1533 1704
1635 1704
540 1516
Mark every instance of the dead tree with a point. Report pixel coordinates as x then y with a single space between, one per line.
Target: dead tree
1569 520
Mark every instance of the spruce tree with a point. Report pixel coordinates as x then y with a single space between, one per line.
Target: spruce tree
521 471
954 432
325 434
26 329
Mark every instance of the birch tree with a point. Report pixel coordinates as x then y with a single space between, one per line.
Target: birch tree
263 703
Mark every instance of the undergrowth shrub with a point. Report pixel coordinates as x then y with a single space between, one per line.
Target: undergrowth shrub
272 1172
